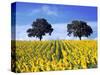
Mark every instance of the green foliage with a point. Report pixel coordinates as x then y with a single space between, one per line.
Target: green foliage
39 28
79 29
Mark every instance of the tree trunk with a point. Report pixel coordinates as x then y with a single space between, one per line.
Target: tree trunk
80 37
40 38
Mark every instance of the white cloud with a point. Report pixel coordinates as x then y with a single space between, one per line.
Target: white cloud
60 32
21 33
94 26
45 9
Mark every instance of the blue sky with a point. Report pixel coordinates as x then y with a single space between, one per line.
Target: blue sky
57 15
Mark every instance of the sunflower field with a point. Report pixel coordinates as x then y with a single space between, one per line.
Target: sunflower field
53 55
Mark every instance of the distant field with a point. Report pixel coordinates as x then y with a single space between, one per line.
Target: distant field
35 56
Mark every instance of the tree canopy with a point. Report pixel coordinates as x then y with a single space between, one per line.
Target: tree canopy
39 28
79 29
